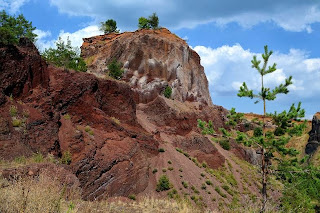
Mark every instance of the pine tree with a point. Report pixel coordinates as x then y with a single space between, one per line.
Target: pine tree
65 56
109 26
13 28
271 144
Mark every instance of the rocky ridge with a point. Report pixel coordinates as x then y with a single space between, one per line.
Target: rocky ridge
152 60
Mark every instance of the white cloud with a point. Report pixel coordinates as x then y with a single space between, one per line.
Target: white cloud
291 15
12 6
75 37
227 67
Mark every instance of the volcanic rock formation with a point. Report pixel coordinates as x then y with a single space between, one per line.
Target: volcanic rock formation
114 129
314 135
152 60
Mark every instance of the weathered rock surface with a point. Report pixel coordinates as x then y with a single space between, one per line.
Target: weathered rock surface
314 135
152 59
112 133
77 112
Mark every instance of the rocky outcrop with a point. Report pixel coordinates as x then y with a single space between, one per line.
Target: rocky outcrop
314 135
113 131
61 110
152 60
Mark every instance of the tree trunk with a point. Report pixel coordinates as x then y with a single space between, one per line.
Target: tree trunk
264 180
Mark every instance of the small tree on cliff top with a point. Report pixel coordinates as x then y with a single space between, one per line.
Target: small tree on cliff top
109 26
269 144
147 23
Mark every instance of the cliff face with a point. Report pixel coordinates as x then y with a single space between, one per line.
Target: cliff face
314 135
152 59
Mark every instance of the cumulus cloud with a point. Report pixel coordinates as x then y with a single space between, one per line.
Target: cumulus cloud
292 15
227 67
43 40
12 6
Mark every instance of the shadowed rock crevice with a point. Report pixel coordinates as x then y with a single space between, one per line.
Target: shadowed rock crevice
314 135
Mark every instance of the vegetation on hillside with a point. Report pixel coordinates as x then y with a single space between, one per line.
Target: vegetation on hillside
13 28
66 56
115 70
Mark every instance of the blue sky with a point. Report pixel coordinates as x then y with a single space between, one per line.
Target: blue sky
226 34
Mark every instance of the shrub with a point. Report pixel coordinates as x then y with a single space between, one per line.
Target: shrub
154 171
132 197
66 157
164 170
203 186
163 184
161 150
167 92
185 184
115 70
169 162
16 122
220 192
208 182
37 157
225 144
21 159
207 128
66 116
257 132
173 194
13 111
170 168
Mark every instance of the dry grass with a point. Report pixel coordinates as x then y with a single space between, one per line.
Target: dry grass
41 194
46 194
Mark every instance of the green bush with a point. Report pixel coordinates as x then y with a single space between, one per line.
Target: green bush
66 157
161 150
37 157
13 111
16 122
154 171
115 70
220 192
208 182
185 184
225 144
167 92
132 197
257 132
163 184
13 28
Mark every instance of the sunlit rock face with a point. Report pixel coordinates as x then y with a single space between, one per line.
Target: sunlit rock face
152 60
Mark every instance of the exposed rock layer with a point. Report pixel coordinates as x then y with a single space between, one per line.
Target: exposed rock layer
314 135
152 59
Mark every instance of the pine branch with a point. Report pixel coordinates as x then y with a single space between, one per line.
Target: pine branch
245 92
